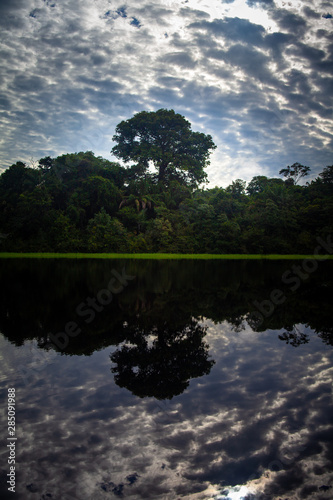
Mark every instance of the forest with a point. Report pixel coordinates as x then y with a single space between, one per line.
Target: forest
80 202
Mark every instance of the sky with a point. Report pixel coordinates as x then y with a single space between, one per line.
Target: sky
254 74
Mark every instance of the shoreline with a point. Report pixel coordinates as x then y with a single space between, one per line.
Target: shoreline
159 256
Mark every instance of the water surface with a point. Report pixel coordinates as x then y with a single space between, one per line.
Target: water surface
185 381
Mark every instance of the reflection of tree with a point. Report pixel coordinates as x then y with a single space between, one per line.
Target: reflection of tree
39 297
237 324
161 360
326 334
294 336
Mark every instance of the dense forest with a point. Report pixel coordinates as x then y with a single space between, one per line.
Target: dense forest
82 203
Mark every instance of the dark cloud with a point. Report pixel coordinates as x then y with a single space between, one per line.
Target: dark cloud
292 23
253 62
28 84
312 54
169 81
181 59
234 29
325 66
98 59
277 43
261 116
321 33
193 13
8 6
5 103
308 12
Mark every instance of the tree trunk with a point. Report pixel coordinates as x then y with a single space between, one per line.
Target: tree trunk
161 171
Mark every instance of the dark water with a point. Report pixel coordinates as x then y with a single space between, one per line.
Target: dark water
189 379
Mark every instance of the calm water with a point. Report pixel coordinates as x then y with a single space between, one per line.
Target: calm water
186 379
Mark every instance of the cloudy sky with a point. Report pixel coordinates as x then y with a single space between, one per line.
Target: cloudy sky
255 74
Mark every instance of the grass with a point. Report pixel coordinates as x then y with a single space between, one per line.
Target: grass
158 256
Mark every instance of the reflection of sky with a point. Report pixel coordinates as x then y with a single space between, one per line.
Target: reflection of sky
260 423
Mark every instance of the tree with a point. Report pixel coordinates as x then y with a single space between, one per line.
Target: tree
257 184
106 234
46 163
17 179
159 234
327 175
237 188
295 172
165 139
63 236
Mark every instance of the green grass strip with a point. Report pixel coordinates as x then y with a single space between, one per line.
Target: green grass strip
158 256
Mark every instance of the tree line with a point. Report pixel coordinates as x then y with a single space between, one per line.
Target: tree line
82 203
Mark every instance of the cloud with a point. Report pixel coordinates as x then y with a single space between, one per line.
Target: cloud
193 13
292 23
252 62
121 12
181 59
232 29
33 84
9 6
260 3
90 66
310 13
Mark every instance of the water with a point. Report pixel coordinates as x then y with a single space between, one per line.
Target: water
190 379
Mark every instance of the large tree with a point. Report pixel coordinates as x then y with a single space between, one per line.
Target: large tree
165 139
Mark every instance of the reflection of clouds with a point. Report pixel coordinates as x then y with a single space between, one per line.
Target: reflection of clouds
259 423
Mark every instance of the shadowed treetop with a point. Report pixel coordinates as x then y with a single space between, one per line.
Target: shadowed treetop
295 172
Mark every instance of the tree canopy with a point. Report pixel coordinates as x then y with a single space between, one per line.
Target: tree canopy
164 139
82 203
295 172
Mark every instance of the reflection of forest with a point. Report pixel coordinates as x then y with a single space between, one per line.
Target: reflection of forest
41 296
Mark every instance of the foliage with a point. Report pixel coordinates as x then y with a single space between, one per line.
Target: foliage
165 139
105 234
327 175
82 203
295 172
